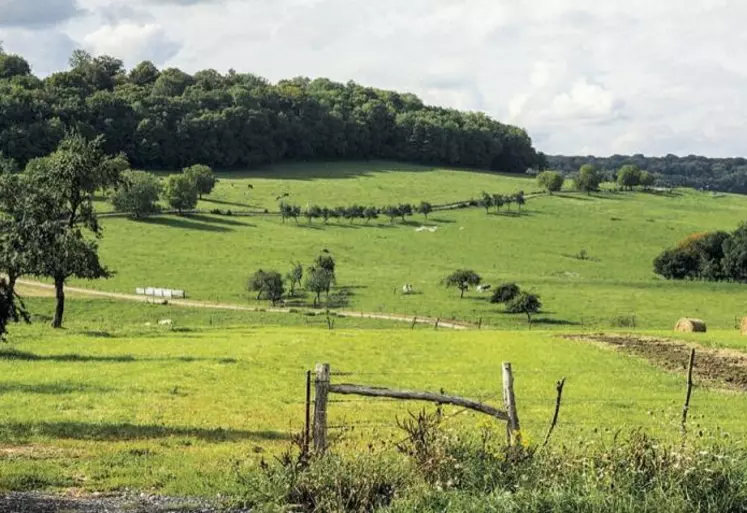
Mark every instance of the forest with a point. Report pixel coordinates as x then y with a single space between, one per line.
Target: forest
169 119
725 175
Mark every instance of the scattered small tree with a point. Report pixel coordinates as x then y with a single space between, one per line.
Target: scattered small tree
647 180
588 179
486 201
405 209
325 262
267 283
425 208
392 212
629 176
462 279
137 194
528 304
505 293
371 213
203 177
551 181
319 280
181 192
498 201
326 214
295 276
519 199
338 213
289 211
312 212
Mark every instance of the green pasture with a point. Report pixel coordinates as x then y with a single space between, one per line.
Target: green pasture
184 412
211 256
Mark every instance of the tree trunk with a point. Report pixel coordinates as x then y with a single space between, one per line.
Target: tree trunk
462 295
12 278
59 311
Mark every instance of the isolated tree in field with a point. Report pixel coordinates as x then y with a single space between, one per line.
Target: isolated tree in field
629 176
551 181
528 304
267 283
486 201
64 185
137 194
462 279
371 213
505 293
203 177
647 180
588 179
425 208
319 280
181 193
405 209
392 212
295 276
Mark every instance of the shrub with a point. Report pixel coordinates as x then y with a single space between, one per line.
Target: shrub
505 293
528 304
181 192
203 178
551 181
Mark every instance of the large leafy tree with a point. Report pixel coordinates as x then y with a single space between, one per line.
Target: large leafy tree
137 194
551 181
11 308
203 177
588 179
181 192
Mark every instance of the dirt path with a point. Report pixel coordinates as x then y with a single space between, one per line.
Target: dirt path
717 366
46 288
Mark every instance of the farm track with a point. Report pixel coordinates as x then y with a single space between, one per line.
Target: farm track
717 366
31 502
239 308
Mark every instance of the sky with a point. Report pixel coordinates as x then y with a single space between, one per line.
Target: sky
582 76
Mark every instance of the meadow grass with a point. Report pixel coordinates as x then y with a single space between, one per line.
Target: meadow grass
176 412
211 256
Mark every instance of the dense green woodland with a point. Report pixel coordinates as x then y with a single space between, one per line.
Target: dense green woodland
170 119
727 175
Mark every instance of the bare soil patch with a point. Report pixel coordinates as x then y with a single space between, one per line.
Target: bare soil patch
712 365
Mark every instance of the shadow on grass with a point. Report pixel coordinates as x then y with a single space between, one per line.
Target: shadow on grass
15 355
50 388
184 224
229 203
440 220
554 322
324 170
108 432
218 220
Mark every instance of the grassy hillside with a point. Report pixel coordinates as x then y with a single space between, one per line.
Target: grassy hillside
211 256
181 413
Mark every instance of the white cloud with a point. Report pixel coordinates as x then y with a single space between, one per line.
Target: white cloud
580 75
132 42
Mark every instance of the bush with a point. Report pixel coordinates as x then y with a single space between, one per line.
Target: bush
505 293
181 192
203 178
551 181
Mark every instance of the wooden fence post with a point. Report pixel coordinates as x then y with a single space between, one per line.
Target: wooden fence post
307 423
509 399
320 407
686 407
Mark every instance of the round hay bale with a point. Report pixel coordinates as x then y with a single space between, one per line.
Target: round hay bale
744 325
686 325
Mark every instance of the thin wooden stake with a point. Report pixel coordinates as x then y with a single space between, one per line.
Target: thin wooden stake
686 408
437 321
307 424
509 399
414 322
559 388
479 324
320 407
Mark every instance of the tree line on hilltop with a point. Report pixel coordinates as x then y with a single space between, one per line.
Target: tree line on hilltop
717 174
169 119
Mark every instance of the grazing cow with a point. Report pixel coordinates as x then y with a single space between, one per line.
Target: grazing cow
250 186
164 322
407 289
483 288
